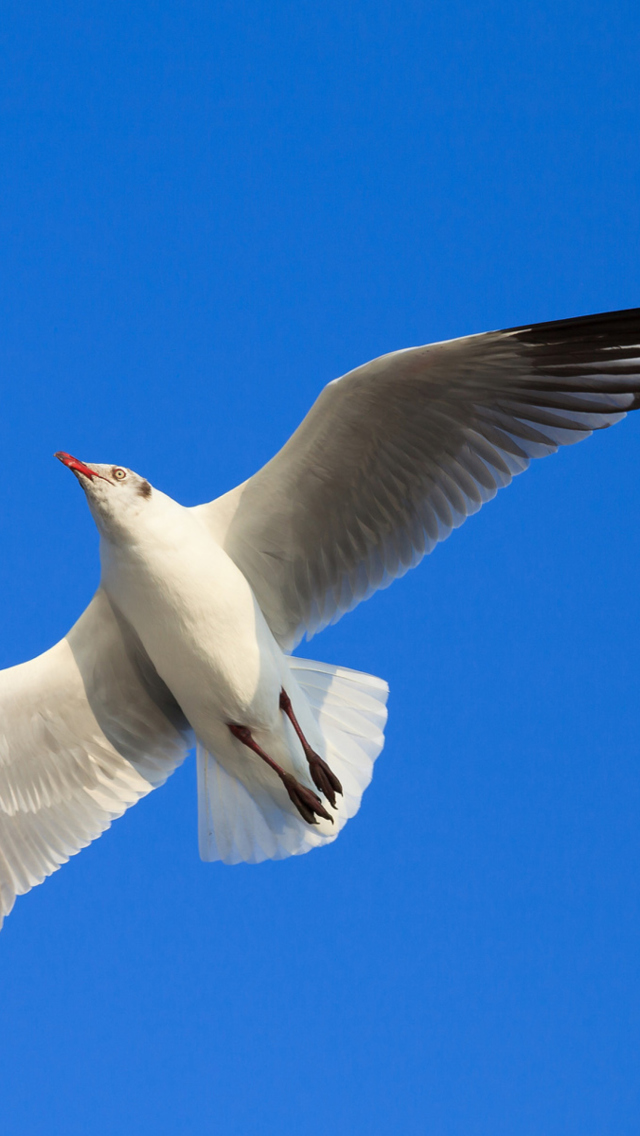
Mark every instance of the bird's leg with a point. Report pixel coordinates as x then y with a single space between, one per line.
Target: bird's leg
323 778
308 805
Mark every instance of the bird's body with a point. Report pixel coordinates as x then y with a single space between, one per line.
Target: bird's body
200 624
196 616
187 639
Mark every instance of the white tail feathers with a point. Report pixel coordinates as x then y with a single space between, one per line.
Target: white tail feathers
241 821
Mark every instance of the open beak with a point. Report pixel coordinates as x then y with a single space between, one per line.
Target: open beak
77 466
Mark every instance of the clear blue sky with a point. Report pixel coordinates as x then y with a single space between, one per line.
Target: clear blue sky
207 211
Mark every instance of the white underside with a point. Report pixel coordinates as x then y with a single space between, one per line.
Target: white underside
249 820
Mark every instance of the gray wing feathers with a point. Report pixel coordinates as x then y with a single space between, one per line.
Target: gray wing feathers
399 452
81 739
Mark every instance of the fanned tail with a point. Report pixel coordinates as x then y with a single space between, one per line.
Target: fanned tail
241 821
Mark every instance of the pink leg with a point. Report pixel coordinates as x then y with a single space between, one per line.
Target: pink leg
323 778
308 805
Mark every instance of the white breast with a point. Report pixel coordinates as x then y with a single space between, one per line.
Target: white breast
197 618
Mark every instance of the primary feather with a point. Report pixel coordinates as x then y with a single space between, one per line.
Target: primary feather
397 453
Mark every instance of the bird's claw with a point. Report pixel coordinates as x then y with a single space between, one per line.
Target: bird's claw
307 803
324 778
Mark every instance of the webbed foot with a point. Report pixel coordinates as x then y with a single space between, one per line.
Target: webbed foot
308 805
324 778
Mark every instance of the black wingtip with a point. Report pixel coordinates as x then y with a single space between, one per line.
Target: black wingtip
620 327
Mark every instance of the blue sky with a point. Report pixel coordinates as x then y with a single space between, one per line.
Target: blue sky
207 211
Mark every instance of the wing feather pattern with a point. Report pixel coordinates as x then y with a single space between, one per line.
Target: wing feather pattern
397 453
86 729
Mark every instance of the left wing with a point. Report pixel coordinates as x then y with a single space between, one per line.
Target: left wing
86 729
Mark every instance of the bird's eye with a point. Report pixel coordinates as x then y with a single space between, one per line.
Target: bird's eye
119 474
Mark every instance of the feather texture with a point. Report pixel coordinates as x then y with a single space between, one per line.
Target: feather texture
396 454
241 821
81 739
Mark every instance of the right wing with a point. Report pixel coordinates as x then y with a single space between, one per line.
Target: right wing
397 453
86 730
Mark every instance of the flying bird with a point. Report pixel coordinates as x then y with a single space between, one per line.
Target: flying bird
188 638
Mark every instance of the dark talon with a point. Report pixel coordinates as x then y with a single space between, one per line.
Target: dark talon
308 805
306 802
324 779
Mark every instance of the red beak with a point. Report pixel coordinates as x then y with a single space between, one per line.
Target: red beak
78 466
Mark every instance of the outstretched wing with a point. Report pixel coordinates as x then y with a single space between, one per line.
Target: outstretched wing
86 729
397 453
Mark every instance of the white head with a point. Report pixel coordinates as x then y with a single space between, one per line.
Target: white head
117 496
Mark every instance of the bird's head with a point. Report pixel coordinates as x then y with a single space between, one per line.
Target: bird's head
116 495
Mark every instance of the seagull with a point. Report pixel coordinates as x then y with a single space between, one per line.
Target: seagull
188 638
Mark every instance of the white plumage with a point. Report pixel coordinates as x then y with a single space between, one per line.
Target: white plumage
187 637
239 823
